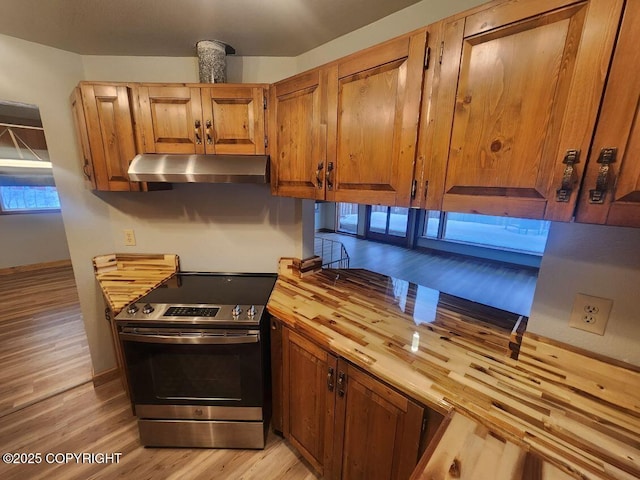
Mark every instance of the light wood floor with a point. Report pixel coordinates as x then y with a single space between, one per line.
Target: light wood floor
502 286
43 345
48 403
99 420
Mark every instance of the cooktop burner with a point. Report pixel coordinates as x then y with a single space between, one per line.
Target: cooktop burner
195 297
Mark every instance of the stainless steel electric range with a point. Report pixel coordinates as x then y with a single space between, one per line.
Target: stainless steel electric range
197 360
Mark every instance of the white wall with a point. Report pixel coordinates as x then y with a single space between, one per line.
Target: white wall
185 69
31 238
408 19
595 260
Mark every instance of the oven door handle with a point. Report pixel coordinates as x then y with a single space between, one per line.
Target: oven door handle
191 339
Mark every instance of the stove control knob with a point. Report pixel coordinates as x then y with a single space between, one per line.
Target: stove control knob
236 311
133 308
147 309
251 311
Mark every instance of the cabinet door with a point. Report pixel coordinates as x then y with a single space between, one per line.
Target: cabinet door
171 119
377 110
83 138
233 119
377 429
528 79
611 191
109 129
308 403
298 138
276 375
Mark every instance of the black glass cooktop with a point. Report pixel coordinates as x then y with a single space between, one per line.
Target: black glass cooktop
214 288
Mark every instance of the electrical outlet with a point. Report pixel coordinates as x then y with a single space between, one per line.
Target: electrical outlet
129 238
590 313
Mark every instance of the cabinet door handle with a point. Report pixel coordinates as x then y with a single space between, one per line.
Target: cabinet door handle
197 132
208 124
328 176
85 169
606 158
318 174
570 159
330 379
342 383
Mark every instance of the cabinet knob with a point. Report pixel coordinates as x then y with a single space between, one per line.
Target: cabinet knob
197 132
328 176
85 169
606 158
330 384
342 383
318 174
208 124
564 192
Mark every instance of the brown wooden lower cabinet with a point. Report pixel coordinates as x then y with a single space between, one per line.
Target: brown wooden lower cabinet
344 422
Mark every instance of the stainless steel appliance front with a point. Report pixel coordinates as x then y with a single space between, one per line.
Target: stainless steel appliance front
198 379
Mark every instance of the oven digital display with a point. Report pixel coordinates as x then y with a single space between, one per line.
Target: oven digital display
191 312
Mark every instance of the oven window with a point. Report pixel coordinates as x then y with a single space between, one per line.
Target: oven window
207 374
170 374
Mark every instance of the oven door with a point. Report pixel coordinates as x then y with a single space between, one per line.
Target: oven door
195 367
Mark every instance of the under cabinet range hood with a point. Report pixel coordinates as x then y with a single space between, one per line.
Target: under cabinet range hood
199 168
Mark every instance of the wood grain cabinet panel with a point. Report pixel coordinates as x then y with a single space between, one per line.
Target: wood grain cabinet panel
377 429
276 374
298 136
520 87
347 424
611 191
80 124
234 120
171 119
199 119
347 131
308 400
377 111
104 124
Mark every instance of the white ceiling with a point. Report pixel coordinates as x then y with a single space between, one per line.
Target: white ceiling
172 27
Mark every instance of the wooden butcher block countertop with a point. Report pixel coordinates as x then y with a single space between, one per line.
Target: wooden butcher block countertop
124 278
579 411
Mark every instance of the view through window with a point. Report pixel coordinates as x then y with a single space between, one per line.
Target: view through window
508 233
26 177
347 216
28 198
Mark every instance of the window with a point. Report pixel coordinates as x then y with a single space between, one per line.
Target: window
347 214
507 233
28 198
26 178
389 220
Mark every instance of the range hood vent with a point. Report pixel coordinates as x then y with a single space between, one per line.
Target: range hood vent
200 168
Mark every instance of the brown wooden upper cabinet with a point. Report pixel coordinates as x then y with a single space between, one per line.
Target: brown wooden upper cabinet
611 189
199 119
104 125
298 132
347 131
520 84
